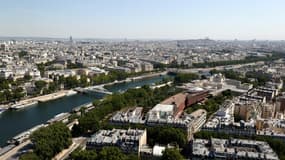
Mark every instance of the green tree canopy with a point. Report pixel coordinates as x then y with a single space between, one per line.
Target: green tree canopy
111 153
84 155
171 154
48 141
185 77
29 156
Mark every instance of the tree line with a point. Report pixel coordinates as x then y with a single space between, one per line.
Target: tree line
114 153
185 77
248 59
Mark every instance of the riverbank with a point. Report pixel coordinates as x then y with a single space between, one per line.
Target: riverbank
39 99
149 75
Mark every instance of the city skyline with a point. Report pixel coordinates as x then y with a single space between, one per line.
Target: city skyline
110 19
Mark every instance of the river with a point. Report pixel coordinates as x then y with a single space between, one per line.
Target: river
15 122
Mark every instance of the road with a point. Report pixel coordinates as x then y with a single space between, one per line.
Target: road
76 142
13 154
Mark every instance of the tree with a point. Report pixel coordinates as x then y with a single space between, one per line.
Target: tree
22 54
83 81
48 141
71 82
40 85
89 122
185 77
41 68
166 135
27 77
4 84
171 154
84 155
29 156
18 93
111 153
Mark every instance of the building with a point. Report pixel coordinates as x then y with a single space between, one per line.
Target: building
132 115
200 117
218 78
268 111
57 73
232 149
247 110
2 47
195 97
147 66
224 121
6 73
129 141
280 104
162 115
153 153
269 93
178 103
252 98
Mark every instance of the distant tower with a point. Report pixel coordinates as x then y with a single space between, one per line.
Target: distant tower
70 39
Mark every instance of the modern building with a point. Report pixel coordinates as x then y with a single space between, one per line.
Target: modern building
195 97
176 103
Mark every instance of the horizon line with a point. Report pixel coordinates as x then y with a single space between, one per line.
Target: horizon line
144 39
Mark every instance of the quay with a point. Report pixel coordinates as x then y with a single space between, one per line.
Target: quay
35 100
86 105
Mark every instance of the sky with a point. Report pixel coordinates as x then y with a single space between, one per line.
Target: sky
144 19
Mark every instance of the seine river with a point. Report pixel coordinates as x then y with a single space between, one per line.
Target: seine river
15 122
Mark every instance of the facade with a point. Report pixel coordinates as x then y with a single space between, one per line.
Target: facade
268 111
281 104
195 97
247 110
147 66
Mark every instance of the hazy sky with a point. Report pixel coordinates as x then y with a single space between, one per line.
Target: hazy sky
171 19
